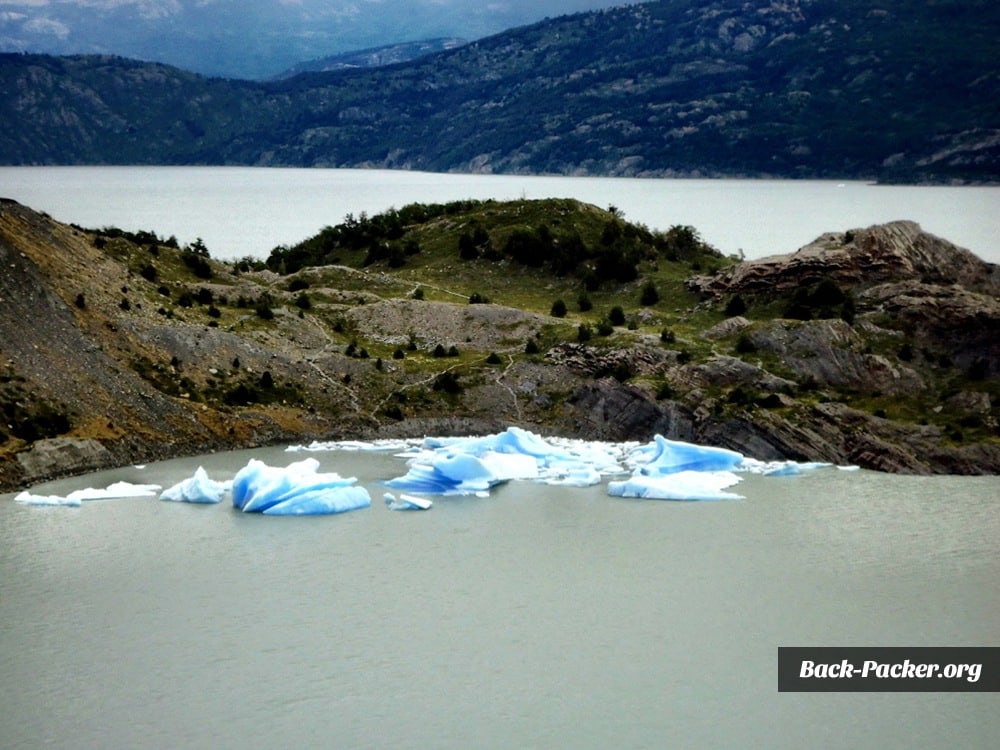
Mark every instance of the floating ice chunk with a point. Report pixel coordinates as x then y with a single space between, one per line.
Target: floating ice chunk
297 489
322 501
196 489
575 476
680 485
117 491
668 456
355 445
447 474
114 491
778 468
26 498
472 465
406 502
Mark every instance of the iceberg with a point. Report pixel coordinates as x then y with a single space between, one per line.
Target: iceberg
295 490
196 489
473 465
681 485
665 456
406 502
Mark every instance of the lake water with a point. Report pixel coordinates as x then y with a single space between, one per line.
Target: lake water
541 617
241 211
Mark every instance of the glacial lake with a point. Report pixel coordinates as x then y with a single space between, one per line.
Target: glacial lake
240 211
543 617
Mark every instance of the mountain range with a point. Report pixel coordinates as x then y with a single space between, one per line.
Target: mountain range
900 92
255 39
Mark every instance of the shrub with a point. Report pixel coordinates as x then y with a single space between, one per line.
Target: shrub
418 293
735 306
558 309
493 359
604 328
531 347
744 345
650 296
583 302
264 312
303 302
398 354
447 382
616 316
439 351
584 333
667 336
148 272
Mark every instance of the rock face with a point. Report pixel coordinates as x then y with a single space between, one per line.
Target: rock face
58 455
896 251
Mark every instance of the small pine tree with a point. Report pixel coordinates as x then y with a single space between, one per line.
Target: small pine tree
650 296
558 309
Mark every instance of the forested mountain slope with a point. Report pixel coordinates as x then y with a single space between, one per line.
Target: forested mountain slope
901 91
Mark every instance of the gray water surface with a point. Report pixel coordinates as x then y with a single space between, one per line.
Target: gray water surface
539 617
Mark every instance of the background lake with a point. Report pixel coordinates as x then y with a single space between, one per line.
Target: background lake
539 617
241 211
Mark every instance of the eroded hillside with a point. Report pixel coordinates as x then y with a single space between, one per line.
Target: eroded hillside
558 316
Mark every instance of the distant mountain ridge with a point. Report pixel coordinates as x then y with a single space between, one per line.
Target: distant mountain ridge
906 92
374 57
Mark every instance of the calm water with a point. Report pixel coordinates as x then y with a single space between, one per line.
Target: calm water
242 211
539 617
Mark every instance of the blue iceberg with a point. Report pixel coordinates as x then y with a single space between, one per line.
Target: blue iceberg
473 465
665 456
295 490
196 489
674 470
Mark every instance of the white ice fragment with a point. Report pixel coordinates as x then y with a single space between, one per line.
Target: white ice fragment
26 498
196 489
406 502
681 485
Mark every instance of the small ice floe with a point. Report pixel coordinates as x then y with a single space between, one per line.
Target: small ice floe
681 485
406 502
27 498
196 489
116 491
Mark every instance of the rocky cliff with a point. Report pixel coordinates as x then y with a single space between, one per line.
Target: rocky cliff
118 349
